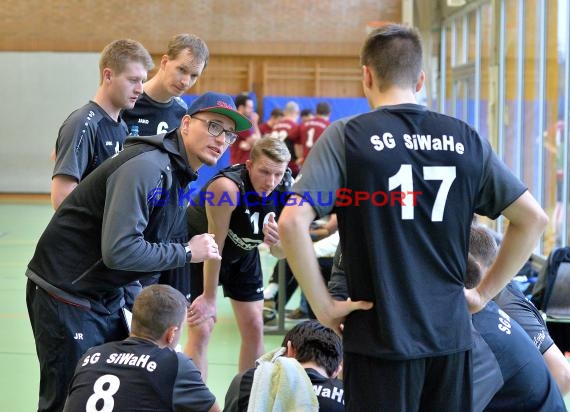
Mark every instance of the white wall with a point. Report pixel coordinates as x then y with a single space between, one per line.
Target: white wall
37 93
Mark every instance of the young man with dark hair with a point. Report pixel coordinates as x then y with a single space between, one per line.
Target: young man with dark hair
113 229
508 372
410 252
266 128
239 152
143 371
319 351
287 130
310 130
483 247
96 131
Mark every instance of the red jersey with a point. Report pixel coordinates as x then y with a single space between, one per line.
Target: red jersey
238 154
310 131
287 131
265 130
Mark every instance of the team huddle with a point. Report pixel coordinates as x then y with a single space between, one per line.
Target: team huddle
412 284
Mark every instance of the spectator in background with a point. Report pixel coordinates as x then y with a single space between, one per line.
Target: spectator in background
96 131
143 372
266 128
306 114
239 151
310 130
287 130
159 108
325 237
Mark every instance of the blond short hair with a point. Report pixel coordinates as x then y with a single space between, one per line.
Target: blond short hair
271 147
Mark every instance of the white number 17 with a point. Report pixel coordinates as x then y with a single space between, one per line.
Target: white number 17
404 179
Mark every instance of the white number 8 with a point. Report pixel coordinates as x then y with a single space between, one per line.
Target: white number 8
104 394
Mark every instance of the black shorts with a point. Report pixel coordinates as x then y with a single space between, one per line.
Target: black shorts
442 383
178 278
241 280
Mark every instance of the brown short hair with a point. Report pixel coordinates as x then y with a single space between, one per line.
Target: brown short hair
271 147
118 53
323 109
157 308
184 41
482 245
394 54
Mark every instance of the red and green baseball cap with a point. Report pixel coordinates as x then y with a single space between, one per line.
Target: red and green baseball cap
222 104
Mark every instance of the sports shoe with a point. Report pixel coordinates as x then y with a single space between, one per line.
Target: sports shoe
269 315
269 312
297 314
269 303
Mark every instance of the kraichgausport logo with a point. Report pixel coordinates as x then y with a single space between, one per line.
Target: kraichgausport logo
340 198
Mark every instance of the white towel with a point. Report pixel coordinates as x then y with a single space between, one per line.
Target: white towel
280 384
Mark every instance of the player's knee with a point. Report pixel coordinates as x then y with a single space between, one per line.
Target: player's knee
201 331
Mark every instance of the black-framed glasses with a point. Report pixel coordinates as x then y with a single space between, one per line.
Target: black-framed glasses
216 129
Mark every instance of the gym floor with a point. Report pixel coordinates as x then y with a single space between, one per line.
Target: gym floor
22 220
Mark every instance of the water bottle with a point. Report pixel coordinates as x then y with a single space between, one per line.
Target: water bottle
134 130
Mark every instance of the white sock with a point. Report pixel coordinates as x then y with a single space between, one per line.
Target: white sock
270 291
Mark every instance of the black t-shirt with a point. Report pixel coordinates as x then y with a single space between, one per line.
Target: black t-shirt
86 138
153 117
512 301
135 374
405 182
329 391
528 385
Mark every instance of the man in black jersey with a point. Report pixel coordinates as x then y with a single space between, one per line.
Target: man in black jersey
113 229
508 372
405 182
483 247
143 371
159 109
319 351
96 131
240 206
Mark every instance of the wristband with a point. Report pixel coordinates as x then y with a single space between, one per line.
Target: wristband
188 253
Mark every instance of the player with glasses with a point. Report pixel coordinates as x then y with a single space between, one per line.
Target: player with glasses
216 129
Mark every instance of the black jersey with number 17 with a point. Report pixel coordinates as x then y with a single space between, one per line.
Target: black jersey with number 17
405 182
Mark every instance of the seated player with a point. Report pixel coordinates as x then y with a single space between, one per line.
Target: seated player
318 350
483 247
143 372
